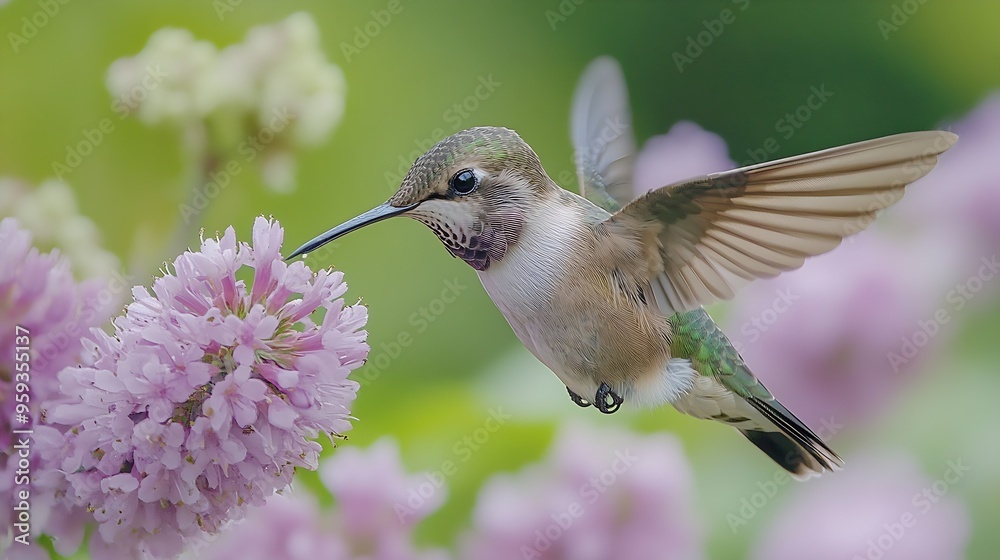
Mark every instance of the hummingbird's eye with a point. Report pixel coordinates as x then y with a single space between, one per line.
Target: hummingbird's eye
464 182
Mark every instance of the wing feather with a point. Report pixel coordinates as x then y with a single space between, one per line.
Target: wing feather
601 129
716 233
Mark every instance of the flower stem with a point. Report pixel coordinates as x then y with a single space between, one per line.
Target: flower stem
203 163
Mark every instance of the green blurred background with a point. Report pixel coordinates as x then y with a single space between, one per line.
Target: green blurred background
934 68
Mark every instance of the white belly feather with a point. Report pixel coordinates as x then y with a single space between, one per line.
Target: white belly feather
522 285
523 282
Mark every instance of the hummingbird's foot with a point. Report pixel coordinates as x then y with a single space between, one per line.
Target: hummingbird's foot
606 400
580 401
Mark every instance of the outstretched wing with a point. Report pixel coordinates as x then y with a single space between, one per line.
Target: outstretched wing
705 238
601 129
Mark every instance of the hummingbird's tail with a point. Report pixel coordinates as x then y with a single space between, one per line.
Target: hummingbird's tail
727 391
789 442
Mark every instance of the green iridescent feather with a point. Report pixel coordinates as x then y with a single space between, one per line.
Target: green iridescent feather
699 339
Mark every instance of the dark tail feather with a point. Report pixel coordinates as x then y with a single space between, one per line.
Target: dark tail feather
793 446
785 452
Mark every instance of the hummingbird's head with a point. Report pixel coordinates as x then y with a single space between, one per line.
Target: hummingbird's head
473 189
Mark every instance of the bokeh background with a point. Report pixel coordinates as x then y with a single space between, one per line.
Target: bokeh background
888 66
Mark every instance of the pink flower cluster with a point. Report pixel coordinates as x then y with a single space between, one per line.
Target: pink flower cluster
207 395
45 311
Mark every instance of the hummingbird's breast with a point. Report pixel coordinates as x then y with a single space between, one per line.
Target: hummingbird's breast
568 294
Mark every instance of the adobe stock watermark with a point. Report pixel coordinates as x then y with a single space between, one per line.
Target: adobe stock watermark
47 11
419 321
31 356
462 451
21 431
957 299
696 43
365 33
454 117
922 502
760 323
563 11
225 7
898 17
223 174
789 124
752 504
589 493
122 106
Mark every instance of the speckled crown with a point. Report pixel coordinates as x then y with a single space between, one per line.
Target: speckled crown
489 147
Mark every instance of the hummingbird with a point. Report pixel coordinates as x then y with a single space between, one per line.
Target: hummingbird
607 290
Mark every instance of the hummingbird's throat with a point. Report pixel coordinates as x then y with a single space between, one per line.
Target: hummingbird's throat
478 250
480 245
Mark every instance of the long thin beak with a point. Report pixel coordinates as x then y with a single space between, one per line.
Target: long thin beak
377 214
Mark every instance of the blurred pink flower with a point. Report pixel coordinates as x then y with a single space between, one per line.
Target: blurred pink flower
376 507
836 339
686 151
882 507
959 203
379 504
964 190
599 494
38 294
43 309
286 527
207 396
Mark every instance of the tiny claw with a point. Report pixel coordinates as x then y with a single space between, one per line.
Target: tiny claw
604 393
580 401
